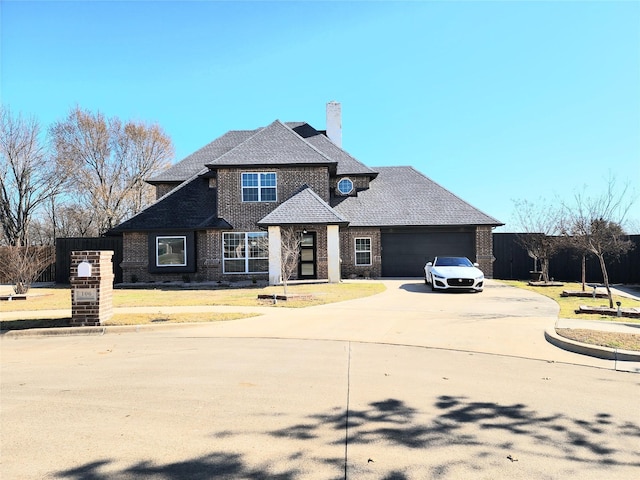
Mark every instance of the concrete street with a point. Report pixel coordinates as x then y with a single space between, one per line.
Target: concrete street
407 384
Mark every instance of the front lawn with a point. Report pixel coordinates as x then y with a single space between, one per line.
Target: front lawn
321 293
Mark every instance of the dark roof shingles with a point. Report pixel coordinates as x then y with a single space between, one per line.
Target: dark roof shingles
402 196
275 144
188 207
196 162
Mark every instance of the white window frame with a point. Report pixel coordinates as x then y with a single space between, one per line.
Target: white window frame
244 247
357 251
342 180
184 243
260 186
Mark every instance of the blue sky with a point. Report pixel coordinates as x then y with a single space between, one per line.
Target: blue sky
496 101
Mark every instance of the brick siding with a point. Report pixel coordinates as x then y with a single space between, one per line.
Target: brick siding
484 250
349 269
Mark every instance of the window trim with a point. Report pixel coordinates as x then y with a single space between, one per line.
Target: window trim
190 252
342 180
356 251
259 187
184 251
247 249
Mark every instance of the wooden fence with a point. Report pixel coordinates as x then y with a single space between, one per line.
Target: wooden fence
513 263
64 247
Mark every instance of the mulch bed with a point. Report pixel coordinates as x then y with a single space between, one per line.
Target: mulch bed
10 298
624 312
580 293
297 296
546 284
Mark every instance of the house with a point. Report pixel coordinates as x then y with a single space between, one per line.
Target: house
220 212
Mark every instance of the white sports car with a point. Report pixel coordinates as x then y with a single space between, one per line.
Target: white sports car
453 273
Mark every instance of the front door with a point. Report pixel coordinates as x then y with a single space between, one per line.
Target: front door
307 263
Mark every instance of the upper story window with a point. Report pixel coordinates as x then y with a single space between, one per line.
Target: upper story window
258 187
345 186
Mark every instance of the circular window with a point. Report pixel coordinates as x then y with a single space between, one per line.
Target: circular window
345 186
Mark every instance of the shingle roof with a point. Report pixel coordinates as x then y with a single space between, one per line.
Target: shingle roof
275 144
402 196
195 162
347 165
305 207
182 208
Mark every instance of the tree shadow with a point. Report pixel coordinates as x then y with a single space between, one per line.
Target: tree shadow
215 465
458 421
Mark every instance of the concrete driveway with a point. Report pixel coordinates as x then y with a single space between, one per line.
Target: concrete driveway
403 385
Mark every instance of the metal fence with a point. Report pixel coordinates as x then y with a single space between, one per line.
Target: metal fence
513 263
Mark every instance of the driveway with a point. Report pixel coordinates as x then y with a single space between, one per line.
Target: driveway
501 320
403 385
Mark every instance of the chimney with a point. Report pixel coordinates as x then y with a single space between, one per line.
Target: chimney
334 123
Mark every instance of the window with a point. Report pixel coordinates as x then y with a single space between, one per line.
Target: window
171 251
258 187
245 252
345 186
363 251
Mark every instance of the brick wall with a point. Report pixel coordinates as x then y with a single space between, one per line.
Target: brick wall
135 258
349 269
484 250
244 215
163 188
359 183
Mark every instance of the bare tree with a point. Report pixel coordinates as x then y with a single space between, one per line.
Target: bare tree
540 227
22 266
594 225
290 241
108 162
28 177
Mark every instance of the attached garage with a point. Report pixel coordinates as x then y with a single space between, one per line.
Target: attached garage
406 250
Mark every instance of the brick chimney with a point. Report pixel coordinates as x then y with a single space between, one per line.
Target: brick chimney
334 123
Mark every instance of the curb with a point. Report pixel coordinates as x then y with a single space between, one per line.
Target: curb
86 331
605 353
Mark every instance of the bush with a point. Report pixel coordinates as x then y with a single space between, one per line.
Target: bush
21 266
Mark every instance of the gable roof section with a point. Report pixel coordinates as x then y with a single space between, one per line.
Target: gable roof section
347 165
402 196
275 144
305 207
195 162
188 207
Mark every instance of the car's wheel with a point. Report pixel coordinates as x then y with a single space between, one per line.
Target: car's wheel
433 287
426 282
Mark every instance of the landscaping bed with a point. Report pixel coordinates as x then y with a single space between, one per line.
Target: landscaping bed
623 341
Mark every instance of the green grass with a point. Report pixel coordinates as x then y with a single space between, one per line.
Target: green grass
568 305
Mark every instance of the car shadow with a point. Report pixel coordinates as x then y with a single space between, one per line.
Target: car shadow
421 287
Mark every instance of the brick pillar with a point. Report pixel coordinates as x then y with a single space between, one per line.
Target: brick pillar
91 287
484 250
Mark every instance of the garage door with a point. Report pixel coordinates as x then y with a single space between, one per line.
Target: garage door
404 253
